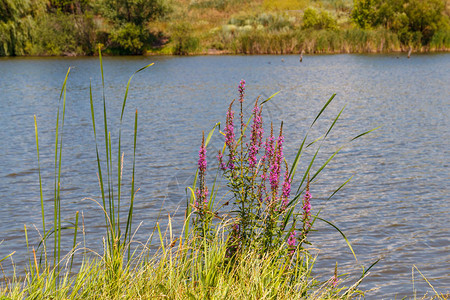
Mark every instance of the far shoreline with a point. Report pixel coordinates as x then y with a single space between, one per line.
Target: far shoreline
214 52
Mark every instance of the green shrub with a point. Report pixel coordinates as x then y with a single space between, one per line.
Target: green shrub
318 20
55 34
415 21
184 42
440 40
127 39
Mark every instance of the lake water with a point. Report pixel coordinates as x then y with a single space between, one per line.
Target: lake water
396 208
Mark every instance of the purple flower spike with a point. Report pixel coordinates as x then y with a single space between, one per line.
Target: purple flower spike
291 239
275 167
286 190
256 136
307 209
230 137
241 90
334 281
202 159
221 163
202 191
291 242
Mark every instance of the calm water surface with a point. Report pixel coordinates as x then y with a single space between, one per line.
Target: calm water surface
396 208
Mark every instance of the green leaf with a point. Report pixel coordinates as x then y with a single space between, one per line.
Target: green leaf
364 133
297 159
211 132
343 235
323 108
128 85
268 99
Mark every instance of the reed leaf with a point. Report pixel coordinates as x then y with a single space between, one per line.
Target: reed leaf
343 235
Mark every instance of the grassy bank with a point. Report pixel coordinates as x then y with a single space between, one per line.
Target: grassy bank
77 27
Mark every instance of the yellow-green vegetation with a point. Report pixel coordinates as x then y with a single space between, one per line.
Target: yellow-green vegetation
76 27
181 273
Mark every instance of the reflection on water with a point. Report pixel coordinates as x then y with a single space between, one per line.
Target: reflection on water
395 208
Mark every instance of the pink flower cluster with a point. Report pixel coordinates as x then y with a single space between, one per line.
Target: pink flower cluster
230 139
291 239
223 166
202 191
202 159
307 209
291 242
275 166
241 89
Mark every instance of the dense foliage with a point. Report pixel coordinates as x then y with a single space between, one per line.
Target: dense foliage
415 21
77 27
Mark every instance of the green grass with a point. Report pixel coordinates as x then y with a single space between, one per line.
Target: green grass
180 273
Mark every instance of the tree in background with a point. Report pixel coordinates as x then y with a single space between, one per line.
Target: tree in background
70 6
129 19
415 21
363 13
16 24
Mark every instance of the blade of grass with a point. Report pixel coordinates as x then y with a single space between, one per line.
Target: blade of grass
210 134
343 235
306 173
326 163
99 167
108 166
437 294
323 108
364 133
299 152
119 159
130 210
161 238
6 257
40 185
74 240
335 120
268 99
58 161
297 159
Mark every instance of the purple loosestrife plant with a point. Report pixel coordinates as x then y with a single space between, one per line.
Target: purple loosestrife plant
259 213
263 216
